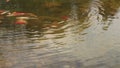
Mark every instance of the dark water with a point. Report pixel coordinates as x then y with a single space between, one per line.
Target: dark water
88 40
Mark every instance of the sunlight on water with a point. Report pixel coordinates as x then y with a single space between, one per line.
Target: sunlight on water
91 41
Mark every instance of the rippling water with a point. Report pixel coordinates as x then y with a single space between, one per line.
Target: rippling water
89 42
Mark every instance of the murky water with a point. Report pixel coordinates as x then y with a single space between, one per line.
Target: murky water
90 39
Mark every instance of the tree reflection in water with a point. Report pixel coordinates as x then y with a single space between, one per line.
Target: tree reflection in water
89 41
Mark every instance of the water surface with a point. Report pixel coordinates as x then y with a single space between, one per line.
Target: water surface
90 39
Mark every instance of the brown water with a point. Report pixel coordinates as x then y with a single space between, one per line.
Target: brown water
90 41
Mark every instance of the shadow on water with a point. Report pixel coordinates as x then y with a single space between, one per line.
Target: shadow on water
88 39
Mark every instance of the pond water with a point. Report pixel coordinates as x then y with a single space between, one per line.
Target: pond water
87 40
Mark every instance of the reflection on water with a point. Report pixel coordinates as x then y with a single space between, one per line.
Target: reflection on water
91 41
